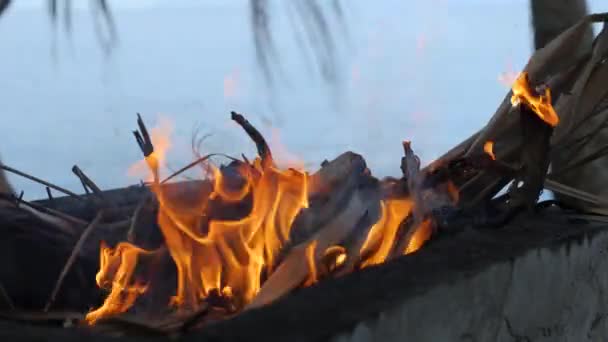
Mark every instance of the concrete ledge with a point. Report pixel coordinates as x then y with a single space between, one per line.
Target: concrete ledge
554 293
541 278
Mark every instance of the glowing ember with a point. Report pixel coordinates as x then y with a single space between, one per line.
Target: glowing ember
540 104
488 148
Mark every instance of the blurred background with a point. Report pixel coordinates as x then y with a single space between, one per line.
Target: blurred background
430 71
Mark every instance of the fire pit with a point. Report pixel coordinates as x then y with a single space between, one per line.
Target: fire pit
458 250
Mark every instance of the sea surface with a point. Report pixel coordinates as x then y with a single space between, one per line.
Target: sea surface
429 71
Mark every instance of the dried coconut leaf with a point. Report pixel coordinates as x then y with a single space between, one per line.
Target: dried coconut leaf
560 54
584 132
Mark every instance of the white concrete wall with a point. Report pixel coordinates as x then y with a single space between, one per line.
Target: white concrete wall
546 295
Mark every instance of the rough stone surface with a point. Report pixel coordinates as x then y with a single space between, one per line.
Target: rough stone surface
540 278
547 294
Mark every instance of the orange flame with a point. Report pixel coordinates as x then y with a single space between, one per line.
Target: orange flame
421 235
231 254
312 264
382 235
115 272
488 148
541 104
335 256
231 257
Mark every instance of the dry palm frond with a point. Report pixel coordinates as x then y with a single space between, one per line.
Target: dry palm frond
105 27
4 5
313 16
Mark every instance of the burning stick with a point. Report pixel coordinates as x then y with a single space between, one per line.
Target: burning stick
410 166
143 138
256 136
538 118
294 269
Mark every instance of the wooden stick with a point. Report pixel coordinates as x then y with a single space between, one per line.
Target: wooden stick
143 138
87 183
194 163
72 258
49 194
43 182
255 135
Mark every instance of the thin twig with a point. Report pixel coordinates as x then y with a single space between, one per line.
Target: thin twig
49 194
87 182
256 136
43 182
75 252
143 138
194 163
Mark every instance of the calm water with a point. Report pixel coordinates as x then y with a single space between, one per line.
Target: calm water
425 71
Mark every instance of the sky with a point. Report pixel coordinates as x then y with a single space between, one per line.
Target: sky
427 70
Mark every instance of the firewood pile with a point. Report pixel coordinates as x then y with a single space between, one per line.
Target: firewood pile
168 257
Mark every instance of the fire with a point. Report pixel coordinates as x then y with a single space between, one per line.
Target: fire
540 104
488 148
115 272
160 139
421 235
312 265
231 258
231 254
381 237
